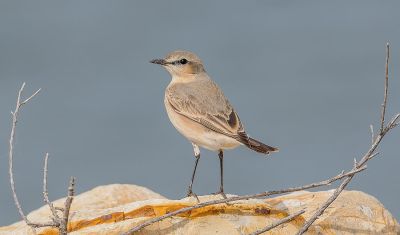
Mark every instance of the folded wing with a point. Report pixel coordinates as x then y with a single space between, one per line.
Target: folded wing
209 107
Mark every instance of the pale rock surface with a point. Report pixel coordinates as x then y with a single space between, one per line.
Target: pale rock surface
114 209
353 212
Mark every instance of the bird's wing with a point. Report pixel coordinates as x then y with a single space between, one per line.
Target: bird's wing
205 103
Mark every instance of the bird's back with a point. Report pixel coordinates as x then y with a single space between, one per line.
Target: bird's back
200 96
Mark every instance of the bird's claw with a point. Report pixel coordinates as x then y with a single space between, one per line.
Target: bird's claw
192 194
222 193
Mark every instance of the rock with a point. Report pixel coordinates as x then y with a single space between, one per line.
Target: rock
114 209
353 212
97 199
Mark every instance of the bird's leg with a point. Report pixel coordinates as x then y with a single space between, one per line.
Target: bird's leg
221 165
197 156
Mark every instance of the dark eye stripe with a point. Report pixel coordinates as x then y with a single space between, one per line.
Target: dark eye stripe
181 61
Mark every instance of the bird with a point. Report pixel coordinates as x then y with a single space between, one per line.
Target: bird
199 110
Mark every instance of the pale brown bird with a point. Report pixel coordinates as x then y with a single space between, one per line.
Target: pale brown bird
199 110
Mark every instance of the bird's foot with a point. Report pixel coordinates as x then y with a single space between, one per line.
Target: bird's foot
190 193
222 193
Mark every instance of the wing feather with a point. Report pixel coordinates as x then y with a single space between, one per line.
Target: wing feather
206 106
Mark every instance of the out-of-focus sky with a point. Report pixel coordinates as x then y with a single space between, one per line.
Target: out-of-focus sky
306 76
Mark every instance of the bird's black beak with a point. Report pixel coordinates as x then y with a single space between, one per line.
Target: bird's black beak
159 61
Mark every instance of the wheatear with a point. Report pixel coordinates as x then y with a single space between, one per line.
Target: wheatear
199 110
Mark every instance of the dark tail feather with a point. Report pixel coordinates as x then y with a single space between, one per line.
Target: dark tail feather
258 146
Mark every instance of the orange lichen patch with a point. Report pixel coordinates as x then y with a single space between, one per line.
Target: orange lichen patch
49 231
238 209
76 225
162 209
104 219
145 211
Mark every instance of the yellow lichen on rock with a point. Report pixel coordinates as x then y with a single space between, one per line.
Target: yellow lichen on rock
114 209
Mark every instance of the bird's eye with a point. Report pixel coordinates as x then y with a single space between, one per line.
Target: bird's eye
183 61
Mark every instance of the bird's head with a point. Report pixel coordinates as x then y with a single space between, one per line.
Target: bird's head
181 64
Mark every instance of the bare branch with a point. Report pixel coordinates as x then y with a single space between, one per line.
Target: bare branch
386 88
279 222
60 223
371 128
11 151
67 206
30 97
393 123
367 156
40 225
321 210
245 197
46 192
373 155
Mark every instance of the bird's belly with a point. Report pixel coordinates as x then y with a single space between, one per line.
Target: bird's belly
198 134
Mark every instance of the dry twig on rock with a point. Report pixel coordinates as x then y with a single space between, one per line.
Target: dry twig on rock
279 222
55 217
367 156
59 222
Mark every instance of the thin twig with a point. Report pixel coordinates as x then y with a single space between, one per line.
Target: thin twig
321 210
393 123
279 222
371 128
373 155
30 97
367 156
11 152
60 223
386 88
245 197
40 225
46 192
67 206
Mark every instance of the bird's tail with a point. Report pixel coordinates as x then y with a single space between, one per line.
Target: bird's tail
258 146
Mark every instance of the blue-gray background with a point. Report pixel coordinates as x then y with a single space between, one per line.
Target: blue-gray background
304 76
